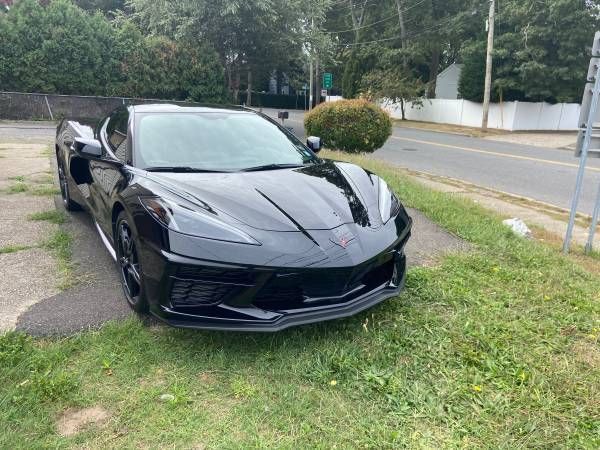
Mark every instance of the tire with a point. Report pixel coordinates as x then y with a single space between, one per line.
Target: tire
67 202
129 265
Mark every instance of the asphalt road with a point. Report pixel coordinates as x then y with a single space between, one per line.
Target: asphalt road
544 174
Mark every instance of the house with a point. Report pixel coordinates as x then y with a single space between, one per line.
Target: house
5 4
447 82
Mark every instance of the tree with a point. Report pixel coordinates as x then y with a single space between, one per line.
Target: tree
60 48
252 37
56 48
393 86
158 67
105 6
541 53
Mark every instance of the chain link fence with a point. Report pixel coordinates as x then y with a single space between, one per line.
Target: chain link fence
34 106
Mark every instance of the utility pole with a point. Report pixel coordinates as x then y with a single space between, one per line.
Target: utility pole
310 85
488 66
317 83
311 71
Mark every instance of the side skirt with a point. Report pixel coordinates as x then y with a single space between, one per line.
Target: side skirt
105 241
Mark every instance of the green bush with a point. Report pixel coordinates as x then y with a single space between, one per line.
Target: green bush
56 47
352 126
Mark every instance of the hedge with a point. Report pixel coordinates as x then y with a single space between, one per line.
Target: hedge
352 126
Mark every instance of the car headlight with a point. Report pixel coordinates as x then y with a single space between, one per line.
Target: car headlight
389 205
186 220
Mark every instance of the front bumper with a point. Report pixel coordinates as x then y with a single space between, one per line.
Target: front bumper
250 309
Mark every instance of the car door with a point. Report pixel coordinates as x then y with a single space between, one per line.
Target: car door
108 177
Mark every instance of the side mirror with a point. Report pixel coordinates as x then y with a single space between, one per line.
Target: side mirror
314 143
87 148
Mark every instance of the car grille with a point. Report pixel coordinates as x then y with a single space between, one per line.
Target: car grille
312 287
201 286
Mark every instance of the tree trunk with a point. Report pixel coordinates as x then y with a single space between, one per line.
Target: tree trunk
433 71
402 109
236 87
402 26
358 16
249 94
229 81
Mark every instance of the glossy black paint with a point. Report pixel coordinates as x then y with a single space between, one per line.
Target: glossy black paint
322 250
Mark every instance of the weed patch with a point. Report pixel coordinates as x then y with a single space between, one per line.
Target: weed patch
60 244
17 188
52 216
45 190
14 248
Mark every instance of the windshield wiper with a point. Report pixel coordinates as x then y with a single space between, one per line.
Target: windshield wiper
271 167
180 169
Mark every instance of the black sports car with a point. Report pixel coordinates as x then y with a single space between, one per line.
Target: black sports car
220 218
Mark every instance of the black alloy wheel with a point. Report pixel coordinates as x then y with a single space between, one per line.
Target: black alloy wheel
69 204
129 265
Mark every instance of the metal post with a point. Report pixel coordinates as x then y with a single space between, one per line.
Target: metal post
582 162
49 109
590 243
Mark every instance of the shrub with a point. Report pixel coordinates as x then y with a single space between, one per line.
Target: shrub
352 126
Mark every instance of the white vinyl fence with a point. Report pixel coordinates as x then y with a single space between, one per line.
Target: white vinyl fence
511 116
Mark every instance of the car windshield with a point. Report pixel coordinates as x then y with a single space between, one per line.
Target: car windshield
214 141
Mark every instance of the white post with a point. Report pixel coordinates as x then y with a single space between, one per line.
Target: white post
49 109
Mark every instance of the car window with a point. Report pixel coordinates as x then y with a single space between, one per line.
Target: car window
214 141
116 133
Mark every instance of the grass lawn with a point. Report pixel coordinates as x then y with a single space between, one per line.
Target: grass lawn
497 348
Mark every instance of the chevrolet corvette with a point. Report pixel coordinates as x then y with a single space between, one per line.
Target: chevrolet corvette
220 218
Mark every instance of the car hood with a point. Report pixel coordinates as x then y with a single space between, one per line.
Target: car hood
323 196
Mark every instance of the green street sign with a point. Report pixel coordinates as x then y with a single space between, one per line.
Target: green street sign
327 80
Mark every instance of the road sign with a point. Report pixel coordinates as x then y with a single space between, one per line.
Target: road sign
327 80
323 92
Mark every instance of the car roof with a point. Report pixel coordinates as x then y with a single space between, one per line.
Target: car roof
171 107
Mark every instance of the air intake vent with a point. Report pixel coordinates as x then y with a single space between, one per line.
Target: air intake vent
216 275
189 293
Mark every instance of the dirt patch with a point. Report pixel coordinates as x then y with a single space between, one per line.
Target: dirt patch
207 378
72 421
430 242
447 128
549 140
587 353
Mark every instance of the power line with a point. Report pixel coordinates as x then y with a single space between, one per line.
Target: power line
424 31
393 16
354 5
363 26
